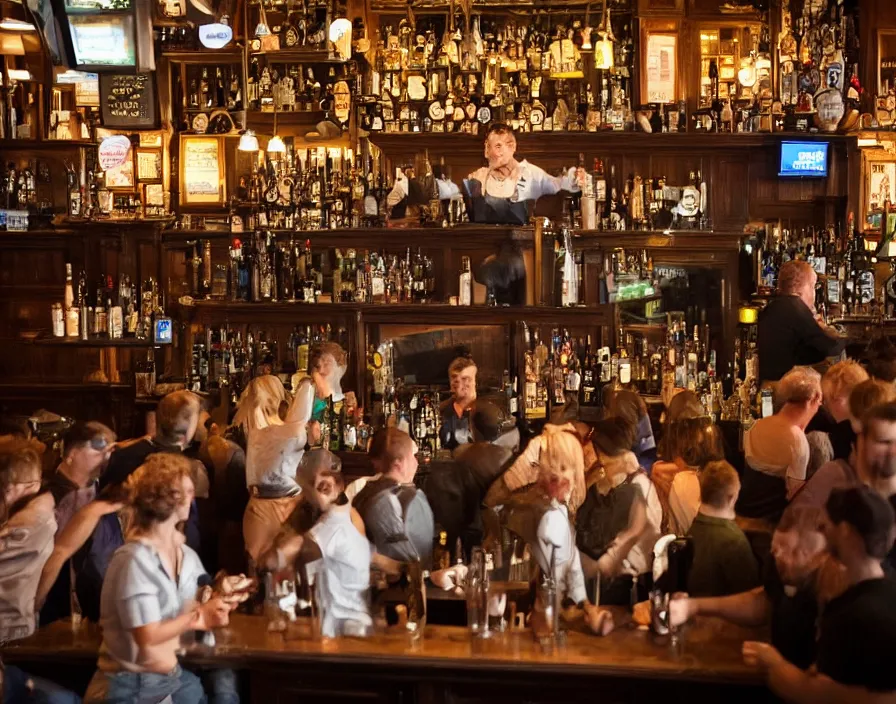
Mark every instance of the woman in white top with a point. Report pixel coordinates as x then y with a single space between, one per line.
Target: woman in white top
776 451
274 447
148 594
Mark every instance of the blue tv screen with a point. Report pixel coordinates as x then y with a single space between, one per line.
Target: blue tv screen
804 159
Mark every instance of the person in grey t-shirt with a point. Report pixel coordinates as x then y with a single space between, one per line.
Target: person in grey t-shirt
147 595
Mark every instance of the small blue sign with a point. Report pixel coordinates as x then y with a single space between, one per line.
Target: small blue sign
164 333
804 159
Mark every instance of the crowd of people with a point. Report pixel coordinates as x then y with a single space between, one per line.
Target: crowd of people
151 537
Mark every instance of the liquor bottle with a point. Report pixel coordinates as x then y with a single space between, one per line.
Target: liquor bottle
220 96
588 200
100 319
116 320
205 94
466 283
624 367
194 95
567 293
71 311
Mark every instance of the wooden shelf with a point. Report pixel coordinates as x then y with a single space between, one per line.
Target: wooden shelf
410 314
265 118
99 342
298 55
679 239
43 144
227 55
371 238
606 142
35 388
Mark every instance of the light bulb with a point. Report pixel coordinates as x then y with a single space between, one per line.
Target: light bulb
276 146
248 142
14 25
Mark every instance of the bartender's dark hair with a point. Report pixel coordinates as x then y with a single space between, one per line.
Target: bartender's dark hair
613 436
459 364
499 128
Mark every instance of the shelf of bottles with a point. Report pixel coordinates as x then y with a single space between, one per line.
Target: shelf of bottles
32 193
296 74
209 97
843 260
107 315
450 74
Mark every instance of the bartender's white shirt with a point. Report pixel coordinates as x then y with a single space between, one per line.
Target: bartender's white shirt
342 575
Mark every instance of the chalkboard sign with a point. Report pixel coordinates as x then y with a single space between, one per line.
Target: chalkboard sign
128 101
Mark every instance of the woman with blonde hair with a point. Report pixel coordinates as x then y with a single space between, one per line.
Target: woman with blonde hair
524 470
274 447
541 517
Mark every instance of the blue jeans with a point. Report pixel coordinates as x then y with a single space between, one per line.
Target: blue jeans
150 688
15 689
221 685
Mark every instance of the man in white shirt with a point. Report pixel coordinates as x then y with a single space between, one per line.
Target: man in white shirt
334 549
502 191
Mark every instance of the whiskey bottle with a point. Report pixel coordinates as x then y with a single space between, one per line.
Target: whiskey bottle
71 311
465 297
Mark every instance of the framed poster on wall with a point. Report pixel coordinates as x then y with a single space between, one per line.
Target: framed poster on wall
202 170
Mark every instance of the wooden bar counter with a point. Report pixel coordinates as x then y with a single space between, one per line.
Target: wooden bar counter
448 667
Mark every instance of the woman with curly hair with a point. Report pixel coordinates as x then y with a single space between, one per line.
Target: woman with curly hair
148 592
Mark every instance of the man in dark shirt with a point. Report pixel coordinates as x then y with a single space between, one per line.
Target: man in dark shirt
857 634
796 581
177 417
789 334
73 485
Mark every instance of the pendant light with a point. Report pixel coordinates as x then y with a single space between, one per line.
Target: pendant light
262 29
248 142
275 145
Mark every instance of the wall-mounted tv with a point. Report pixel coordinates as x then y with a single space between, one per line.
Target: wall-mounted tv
804 159
106 35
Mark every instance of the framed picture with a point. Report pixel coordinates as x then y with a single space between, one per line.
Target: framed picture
659 67
151 139
154 195
122 177
881 184
202 170
153 200
149 165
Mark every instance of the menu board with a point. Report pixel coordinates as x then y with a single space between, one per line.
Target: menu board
202 168
128 101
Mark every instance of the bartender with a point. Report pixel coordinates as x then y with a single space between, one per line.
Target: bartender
790 333
501 192
457 411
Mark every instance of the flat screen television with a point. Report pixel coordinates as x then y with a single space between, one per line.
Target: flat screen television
106 35
804 159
